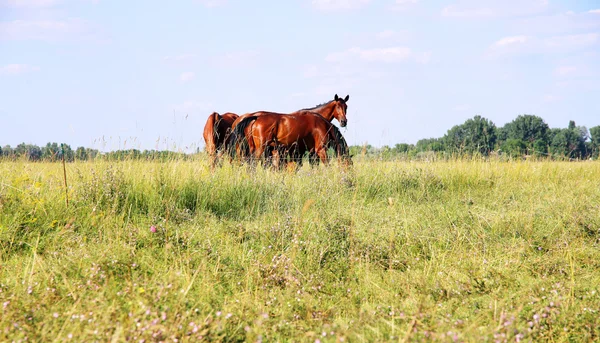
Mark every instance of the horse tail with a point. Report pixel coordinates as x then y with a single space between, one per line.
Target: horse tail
211 132
238 137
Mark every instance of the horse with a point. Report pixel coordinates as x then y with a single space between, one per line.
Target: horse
291 134
335 108
216 131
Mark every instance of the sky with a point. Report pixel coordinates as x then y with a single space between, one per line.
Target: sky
146 74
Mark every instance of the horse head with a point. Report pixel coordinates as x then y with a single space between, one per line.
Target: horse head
339 111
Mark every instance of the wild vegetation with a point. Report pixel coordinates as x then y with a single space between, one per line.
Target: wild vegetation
526 136
460 250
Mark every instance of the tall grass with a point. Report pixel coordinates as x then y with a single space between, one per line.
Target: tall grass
454 250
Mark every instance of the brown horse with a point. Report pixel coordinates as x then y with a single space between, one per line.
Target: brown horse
291 133
335 108
216 131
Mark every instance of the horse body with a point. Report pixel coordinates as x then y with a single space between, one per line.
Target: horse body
334 109
277 133
216 130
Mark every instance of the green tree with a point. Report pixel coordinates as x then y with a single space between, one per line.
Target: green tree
402 148
527 128
430 144
474 135
514 147
51 151
7 151
595 135
570 142
29 151
595 141
81 154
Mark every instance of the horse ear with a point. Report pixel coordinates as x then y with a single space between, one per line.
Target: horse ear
335 98
346 98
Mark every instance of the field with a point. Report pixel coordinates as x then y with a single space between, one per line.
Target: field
450 251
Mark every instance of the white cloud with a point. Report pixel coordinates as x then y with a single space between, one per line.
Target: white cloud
48 30
212 3
29 3
331 5
565 70
474 9
594 11
38 4
238 59
572 41
187 76
14 69
392 35
391 54
401 5
511 40
558 23
179 58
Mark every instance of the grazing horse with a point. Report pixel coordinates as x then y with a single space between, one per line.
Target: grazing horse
291 133
335 108
216 131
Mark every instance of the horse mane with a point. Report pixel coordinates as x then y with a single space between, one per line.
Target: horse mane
317 106
340 146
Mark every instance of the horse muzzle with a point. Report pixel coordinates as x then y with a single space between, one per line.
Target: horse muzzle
343 122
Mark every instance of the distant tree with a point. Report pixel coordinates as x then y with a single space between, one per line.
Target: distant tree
430 144
7 151
527 128
571 125
29 151
540 147
474 135
67 151
403 148
595 141
81 154
513 147
91 153
570 142
51 152
595 135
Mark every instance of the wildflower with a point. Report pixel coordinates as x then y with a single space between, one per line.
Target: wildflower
152 228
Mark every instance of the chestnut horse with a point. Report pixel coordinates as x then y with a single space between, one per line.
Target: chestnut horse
335 108
293 134
216 131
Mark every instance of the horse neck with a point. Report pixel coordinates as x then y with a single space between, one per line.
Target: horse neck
326 110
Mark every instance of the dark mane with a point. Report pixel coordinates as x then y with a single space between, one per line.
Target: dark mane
341 148
317 106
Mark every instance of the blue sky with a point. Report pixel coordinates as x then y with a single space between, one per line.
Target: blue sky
146 74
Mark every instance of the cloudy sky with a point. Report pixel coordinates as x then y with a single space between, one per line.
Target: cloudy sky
146 74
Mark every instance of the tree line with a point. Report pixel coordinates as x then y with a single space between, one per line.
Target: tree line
55 152
526 135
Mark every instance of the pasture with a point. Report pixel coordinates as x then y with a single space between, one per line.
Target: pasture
450 251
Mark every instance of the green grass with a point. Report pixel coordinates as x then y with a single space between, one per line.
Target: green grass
449 251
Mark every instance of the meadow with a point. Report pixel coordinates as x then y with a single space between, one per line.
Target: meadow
464 250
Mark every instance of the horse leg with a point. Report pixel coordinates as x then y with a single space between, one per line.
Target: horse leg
322 153
313 158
